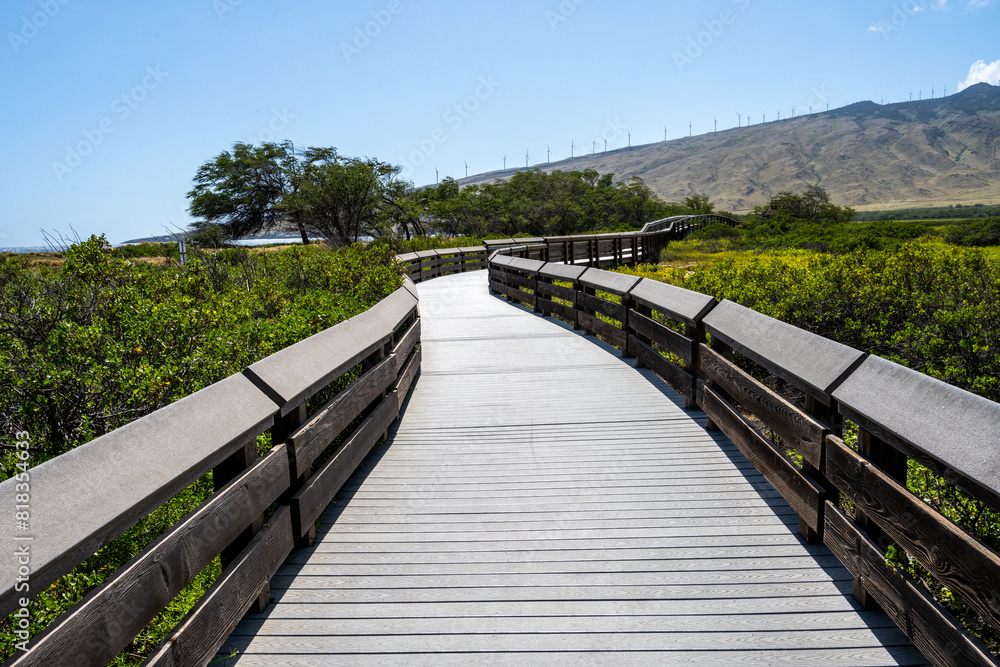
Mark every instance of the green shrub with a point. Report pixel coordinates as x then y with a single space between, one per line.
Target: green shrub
102 341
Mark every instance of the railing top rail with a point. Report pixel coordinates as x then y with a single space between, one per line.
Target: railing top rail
811 362
675 302
85 498
928 418
295 373
556 271
608 281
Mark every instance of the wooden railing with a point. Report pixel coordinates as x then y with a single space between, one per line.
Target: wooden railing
773 388
84 499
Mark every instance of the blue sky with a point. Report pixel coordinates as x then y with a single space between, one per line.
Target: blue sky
110 107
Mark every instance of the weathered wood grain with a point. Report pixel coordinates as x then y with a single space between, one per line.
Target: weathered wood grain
804 495
596 304
677 377
955 558
664 336
808 361
196 639
306 444
798 430
935 632
312 499
105 622
941 426
616 336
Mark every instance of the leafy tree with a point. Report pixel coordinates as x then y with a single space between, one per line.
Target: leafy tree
244 191
813 205
343 199
699 204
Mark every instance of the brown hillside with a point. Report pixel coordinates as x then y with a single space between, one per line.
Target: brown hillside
865 155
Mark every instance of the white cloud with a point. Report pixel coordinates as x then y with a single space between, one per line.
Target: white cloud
879 27
980 4
981 72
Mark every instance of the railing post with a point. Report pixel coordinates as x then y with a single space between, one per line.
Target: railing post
284 427
727 352
697 333
830 417
893 464
222 474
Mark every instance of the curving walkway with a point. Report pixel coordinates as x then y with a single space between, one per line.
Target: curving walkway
544 502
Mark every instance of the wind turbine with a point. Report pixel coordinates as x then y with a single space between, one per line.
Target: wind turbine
932 92
715 121
525 159
605 145
436 180
630 138
548 155
466 168
689 128
739 118
779 114
664 132
572 149
593 146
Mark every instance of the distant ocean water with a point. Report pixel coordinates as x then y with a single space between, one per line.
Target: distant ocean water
245 242
27 249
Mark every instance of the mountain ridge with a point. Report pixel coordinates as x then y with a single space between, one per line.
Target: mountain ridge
866 155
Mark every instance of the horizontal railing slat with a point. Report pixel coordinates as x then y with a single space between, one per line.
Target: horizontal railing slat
104 623
663 336
954 558
320 489
804 495
197 638
87 497
935 632
675 376
315 436
796 428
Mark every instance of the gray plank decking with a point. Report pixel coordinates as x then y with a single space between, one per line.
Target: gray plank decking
544 502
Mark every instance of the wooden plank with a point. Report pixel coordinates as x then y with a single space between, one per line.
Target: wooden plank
675 302
934 631
609 281
406 377
940 425
196 639
677 377
77 507
664 336
602 328
955 558
518 281
798 430
609 308
804 495
814 364
105 622
406 344
567 293
312 499
307 443
558 309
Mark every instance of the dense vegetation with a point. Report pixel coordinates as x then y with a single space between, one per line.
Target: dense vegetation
956 212
541 204
101 340
890 288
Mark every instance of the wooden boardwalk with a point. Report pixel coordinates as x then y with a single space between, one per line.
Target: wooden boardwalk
542 501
